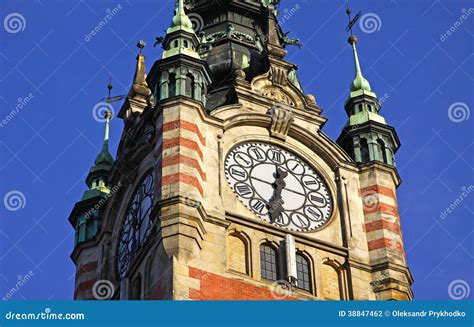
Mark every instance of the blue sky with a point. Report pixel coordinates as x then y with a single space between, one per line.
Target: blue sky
58 74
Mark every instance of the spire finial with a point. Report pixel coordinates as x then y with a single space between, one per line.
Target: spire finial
140 45
359 83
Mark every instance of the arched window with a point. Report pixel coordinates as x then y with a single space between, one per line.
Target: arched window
176 43
149 277
190 85
172 85
185 43
268 262
137 288
360 108
303 273
237 253
364 150
381 151
370 108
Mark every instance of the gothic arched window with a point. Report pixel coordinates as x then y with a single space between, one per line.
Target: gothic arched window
364 150
137 288
303 273
189 90
172 85
149 277
268 262
381 151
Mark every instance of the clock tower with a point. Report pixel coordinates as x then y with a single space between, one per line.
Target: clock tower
224 185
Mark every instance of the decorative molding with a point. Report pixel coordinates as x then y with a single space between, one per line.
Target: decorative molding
277 95
281 119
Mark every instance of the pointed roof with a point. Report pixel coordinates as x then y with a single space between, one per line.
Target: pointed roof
180 20
140 86
103 164
359 82
181 29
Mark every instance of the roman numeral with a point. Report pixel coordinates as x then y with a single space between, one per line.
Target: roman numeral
310 182
237 172
243 189
316 198
257 153
276 156
296 166
313 213
243 159
302 221
258 206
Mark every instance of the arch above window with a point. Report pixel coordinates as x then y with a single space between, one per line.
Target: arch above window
268 262
303 271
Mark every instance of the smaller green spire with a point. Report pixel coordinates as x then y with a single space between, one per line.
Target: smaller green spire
180 20
359 82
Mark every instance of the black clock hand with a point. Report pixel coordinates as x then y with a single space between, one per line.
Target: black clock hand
275 204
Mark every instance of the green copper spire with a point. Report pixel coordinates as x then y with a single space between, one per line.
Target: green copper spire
180 36
359 82
180 20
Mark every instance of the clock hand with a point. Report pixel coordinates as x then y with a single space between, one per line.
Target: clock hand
275 207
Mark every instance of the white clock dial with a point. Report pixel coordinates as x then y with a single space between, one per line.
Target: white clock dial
278 186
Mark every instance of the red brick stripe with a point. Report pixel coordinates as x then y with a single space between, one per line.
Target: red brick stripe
169 126
382 224
216 287
183 178
385 243
84 286
383 190
181 142
180 159
91 266
381 207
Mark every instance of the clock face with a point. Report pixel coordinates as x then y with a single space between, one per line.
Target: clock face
278 186
137 223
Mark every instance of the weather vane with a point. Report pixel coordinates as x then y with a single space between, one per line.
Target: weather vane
109 99
353 20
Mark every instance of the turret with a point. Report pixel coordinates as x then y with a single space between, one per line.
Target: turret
86 215
181 71
366 136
